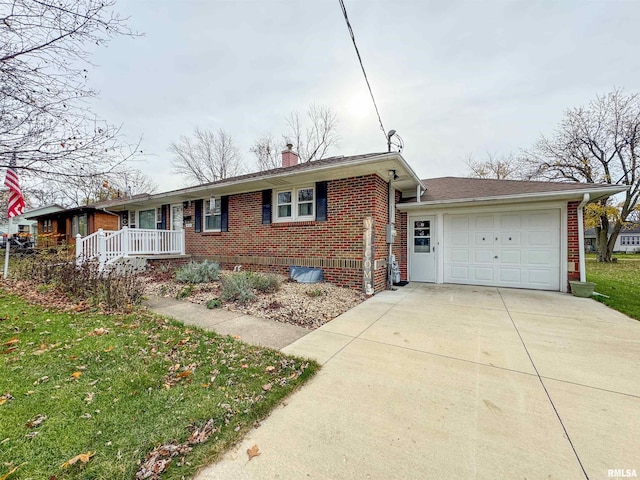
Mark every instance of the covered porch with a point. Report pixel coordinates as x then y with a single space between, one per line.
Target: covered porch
107 246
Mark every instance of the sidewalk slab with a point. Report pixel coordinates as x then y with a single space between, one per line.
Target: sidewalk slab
249 329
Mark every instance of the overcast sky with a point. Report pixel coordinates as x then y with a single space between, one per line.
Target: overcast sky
453 78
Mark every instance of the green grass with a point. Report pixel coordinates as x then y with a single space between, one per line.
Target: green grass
620 281
131 394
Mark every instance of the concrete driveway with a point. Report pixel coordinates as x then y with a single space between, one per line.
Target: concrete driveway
458 382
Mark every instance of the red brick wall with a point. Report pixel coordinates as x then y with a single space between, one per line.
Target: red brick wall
334 245
400 247
573 245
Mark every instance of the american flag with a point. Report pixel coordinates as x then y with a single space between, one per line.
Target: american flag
16 200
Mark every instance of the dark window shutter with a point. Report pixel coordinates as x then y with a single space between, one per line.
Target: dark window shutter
224 213
266 206
198 215
164 211
321 201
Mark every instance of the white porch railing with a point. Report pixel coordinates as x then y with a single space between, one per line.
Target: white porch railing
107 246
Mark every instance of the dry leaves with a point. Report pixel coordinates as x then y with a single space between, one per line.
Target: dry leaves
202 434
36 421
253 451
83 458
270 369
76 375
5 397
11 472
267 387
159 459
11 341
98 332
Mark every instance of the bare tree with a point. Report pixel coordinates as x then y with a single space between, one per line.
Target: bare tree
44 61
504 167
315 137
206 157
599 143
78 191
266 152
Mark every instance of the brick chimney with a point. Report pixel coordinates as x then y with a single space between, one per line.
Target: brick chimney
289 157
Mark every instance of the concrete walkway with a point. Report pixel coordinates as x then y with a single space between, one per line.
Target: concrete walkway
249 329
457 382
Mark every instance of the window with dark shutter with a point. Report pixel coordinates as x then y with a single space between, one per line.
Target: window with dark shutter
224 214
164 213
321 201
198 215
266 206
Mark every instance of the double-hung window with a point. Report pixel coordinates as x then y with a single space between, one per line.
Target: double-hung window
295 204
212 214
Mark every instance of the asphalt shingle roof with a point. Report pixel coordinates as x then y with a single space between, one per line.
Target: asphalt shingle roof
457 188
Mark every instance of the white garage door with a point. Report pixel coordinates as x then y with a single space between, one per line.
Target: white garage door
512 249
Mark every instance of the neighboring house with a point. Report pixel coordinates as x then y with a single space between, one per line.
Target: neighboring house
61 227
25 226
334 214
628 240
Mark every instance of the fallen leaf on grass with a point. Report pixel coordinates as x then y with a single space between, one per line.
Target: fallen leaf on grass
11 472
41 380
202 434
83 457
89 397
270 369
36 421
5 397
9 350
11 341
253 451
184 374
159 459
109 349
98 332
266 387
76 375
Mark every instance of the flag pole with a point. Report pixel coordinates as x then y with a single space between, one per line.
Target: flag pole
6 246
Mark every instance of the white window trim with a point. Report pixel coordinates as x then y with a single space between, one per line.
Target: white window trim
294 205
206 213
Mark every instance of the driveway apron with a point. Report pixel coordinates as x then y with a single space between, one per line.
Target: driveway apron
443 381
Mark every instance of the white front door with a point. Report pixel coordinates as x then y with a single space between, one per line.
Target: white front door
176 217
422 256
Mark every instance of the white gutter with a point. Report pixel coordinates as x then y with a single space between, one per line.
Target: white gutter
583 268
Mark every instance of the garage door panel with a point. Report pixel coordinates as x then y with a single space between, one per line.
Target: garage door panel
511 276
514 249
459 255
459 274
483 256
460 239
481 222
542 257
513 257
510 238
483 238
483 274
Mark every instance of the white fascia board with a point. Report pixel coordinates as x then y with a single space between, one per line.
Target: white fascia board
595 194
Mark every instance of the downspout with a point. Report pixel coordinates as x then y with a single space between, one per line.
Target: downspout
390 226
582 265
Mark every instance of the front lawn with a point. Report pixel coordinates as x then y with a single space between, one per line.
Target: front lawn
89 396
620 281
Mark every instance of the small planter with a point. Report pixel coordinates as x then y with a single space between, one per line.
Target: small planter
582 289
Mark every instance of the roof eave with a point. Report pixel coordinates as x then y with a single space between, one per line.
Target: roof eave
595 194
408 181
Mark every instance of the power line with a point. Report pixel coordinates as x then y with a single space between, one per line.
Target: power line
353 39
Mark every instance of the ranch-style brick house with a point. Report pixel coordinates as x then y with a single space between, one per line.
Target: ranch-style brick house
348 215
